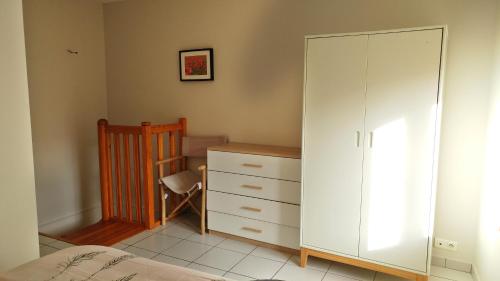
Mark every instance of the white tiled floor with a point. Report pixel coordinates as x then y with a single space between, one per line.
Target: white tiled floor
179 243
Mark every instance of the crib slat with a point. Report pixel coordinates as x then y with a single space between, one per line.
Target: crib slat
182 133
128 202
161 198
110 176
171 142
137 178
173 152
118 176
147 155
159 143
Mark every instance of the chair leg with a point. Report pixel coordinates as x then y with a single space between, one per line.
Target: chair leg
203 200
163 207
202 217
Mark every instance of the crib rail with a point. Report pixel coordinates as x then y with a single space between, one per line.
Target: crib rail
127 178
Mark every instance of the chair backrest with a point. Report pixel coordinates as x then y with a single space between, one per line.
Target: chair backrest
197 146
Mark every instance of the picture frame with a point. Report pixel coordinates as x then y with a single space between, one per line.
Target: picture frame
196 65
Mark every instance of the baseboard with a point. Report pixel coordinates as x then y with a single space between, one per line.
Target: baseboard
452 264
475 274
72 221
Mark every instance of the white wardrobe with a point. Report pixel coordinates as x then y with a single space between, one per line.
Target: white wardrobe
370 140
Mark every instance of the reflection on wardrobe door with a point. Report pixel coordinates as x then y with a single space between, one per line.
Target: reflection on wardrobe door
401 106
333 143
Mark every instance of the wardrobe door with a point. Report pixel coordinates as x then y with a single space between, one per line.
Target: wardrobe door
333 140
401 107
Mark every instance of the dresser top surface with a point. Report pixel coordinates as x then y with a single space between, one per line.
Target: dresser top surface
259 149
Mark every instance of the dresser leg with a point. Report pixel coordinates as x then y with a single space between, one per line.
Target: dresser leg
303 257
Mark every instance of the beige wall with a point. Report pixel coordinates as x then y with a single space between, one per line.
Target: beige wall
488 246
18 230
257 93
67 97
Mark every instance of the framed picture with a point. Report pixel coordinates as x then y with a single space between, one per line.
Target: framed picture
196 65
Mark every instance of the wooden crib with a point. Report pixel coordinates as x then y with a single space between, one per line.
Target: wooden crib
129 179
126 160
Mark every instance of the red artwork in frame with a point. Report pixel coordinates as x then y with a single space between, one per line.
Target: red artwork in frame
196 65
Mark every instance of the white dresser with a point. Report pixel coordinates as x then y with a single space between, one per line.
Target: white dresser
254 192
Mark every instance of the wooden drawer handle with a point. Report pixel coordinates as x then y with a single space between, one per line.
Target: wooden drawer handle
248 165
251 209
251 186
252 229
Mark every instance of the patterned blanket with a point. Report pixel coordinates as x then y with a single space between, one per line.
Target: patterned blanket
99 263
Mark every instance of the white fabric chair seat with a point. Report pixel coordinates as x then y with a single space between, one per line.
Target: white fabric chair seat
182 182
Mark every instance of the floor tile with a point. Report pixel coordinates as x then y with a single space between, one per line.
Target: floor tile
312 262
458 265
237 246
140 252
176 230
190 219
385 277
450 274
157 243
161 227
189 223
270 254
171 260
136 238
187 250
257 267
351 271
231 255
238 277
434 278
205 239
45 240
206 269
335 277
61 245
290 272
119 246
47 250
220 258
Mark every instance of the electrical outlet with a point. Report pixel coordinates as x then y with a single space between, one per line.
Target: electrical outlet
445 244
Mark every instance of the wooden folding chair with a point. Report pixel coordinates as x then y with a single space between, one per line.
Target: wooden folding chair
187 183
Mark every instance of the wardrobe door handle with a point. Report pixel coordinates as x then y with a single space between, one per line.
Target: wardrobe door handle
358 137
252 229
371 139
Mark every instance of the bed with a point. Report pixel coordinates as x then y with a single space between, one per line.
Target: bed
84 263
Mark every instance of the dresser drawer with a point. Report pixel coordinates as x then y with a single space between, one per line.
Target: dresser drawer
255 165
272 189
282 235
259 209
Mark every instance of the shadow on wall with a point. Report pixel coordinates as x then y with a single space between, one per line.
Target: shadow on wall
85 187
89 189
277 35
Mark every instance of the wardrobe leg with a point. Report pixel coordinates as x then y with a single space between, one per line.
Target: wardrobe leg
303 257
422 278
